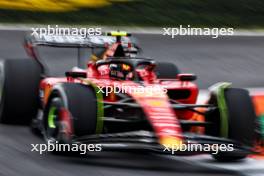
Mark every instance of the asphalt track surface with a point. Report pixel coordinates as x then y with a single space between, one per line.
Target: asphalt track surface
236 59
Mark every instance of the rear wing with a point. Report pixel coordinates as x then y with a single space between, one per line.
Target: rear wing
79 41
82 43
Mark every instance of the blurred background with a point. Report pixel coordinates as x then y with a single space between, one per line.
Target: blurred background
224 13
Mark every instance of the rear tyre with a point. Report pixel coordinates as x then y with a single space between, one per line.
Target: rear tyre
19 90
71 111
166 70
241 122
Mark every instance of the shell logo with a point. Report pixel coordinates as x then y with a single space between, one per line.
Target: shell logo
54 5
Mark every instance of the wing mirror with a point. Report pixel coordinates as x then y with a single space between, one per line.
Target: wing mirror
186 77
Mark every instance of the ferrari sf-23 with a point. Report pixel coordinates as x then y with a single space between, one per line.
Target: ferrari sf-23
152 109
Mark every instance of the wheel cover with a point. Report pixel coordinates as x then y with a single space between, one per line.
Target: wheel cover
51 117
52 124
219 90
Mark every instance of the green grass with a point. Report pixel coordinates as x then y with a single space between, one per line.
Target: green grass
202 13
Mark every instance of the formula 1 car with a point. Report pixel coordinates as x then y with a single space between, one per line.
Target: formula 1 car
123 101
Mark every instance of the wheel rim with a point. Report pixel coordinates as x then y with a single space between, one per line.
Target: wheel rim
58 125
52 123
51 117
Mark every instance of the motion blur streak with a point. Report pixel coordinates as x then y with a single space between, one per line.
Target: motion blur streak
52 5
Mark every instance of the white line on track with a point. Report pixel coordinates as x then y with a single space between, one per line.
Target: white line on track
138 30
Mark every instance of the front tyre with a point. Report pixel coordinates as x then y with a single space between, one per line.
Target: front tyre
241 122
71 112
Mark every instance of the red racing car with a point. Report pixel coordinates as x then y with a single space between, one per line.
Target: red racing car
123 101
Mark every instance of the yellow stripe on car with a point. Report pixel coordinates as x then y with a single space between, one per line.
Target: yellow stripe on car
171 142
